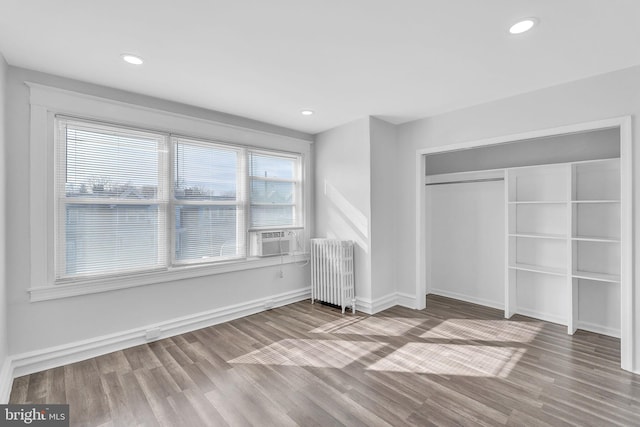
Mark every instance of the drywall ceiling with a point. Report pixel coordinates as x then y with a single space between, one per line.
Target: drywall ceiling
344 59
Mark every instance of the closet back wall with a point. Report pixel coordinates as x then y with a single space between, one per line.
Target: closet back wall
467 241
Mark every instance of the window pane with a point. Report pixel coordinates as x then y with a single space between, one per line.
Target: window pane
271 191
110 163
204 232
272 216
265 166
111 238
205 172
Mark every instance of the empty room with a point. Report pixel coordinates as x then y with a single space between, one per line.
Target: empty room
319 213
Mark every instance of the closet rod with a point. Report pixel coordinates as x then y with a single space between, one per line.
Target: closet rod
465 181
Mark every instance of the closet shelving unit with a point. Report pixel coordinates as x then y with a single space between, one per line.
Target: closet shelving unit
563 243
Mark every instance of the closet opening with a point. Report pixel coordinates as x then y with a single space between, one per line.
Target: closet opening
537 224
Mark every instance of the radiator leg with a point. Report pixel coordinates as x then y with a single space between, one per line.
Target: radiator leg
353 306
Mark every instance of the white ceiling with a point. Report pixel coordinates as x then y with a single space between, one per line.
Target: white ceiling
344 59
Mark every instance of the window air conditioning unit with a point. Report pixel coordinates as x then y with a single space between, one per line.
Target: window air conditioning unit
274 242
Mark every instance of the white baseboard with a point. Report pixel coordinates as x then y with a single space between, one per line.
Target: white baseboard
379 304
6 380
599 329
364 305
35 361
406 300
463 297
548 317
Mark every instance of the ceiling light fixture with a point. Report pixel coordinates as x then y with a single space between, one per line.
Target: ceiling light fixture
523 26
131 59
306 112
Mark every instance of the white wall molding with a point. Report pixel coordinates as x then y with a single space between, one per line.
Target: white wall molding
406 300
364 305
6 380
387 301
35 361
468 298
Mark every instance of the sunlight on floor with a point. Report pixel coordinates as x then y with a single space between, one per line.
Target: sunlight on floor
485 330
450 359
305 352
387 326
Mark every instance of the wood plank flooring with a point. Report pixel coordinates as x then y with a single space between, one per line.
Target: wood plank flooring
452 364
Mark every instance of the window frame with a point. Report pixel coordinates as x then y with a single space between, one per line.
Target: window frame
48 102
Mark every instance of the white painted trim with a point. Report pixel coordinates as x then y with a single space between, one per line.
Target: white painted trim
44 293
385 302
627 292
406 300
560 130
628 344
370 306
468 298
364 305
421 245
598 329
6 381
46 102
75 103
35 361
547 317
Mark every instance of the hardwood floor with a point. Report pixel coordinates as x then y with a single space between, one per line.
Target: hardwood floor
452 364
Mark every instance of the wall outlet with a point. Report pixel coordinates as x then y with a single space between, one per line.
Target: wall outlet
152 334
281 274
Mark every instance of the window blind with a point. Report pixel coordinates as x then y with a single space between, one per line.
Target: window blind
111 200
209 201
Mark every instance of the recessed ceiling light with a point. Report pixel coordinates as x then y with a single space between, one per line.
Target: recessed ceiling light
523 26
306 112
132 59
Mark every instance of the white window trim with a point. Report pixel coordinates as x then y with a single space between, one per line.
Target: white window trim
47 102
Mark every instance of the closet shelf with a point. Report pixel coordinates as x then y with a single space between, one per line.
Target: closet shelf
539 269
596 239
539 236
600 277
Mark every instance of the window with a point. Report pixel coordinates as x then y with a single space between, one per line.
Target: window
275 190
111 197
132 201
209 208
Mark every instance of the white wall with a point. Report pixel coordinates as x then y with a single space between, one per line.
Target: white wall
343 194
383 207
3 218
605 96
40 325
466 223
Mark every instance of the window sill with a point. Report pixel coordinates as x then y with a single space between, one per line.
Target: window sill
93 286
